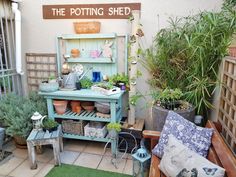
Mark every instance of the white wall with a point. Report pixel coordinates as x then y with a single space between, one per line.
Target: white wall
39 34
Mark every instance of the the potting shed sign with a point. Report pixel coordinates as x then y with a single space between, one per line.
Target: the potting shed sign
90 11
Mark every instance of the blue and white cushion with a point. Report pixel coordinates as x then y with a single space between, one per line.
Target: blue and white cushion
198 139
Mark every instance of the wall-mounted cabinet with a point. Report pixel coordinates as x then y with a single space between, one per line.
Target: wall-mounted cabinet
94 50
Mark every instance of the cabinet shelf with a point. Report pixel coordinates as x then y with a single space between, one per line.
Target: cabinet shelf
80 137
91 60
83 115
88 36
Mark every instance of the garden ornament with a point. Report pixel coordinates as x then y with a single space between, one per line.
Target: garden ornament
107 51
37 120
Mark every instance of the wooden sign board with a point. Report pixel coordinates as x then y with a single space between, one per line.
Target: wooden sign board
90 11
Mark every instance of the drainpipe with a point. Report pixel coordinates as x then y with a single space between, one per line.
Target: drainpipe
17 13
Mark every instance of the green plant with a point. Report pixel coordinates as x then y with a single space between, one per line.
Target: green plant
51 77
16 112
49 124
168 98
119 78
86 83
114 126
187 55
107 86
134 98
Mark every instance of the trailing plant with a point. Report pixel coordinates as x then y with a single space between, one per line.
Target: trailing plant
114 126
134 98
187 55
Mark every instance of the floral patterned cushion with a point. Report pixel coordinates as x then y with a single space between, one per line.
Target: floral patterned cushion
196 138
180 161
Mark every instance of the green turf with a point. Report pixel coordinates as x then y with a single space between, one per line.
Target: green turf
77 171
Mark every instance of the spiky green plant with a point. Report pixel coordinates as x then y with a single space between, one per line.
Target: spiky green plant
187 55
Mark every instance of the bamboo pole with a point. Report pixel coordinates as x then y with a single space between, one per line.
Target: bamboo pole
134 45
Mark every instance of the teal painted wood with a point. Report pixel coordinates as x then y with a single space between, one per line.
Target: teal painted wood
50 108
90 60
85 43
83 94
83 115
72 136
87 36
40 134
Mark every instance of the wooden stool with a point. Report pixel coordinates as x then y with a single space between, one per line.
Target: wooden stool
37 137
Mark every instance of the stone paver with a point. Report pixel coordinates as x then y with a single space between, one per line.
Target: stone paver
46 156
95 148
68 157
44 170
82 153
21 153
128 167
10 165
75 145
108 166
88 160
24 170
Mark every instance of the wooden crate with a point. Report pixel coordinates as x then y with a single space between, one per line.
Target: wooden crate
227 107
39 67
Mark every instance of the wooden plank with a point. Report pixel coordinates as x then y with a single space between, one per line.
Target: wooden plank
90 11
40 135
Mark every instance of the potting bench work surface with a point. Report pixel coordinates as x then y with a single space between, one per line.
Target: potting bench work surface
40 137
114 100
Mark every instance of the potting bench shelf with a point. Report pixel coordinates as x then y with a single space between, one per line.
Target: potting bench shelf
83 115
115 102
73 136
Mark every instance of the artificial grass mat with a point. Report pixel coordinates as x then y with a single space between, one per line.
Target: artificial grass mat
76 171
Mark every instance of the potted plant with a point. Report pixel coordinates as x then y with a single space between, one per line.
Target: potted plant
16 112
170 99
180 59
86 83
119 80
49 124
113 129
49 85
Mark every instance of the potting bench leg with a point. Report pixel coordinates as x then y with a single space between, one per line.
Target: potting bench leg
50 108
113 119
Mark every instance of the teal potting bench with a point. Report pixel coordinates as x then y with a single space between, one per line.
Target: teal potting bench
107 66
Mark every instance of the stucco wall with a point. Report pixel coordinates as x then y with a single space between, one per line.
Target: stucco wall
39 34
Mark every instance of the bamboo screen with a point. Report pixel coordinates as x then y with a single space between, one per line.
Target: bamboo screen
227 107
39 67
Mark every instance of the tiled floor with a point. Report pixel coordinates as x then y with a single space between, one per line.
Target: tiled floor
82 153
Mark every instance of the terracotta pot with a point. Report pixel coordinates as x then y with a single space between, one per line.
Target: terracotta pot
78 109
60 106
74 104
20 142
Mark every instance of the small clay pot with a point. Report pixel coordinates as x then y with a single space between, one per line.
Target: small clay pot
74 104
60 106
75 53
78 109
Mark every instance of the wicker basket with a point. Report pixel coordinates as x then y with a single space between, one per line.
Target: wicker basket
87 27
73 127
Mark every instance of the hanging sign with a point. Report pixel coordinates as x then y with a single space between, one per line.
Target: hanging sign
90 11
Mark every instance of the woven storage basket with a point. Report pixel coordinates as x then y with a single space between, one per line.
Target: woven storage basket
87 27
73 127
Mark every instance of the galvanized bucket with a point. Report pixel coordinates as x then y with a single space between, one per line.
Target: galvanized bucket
69 81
